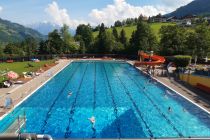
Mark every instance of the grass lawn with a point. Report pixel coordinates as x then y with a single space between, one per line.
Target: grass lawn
20 67
129 30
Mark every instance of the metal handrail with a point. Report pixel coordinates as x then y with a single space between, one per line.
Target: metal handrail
25 136
28 136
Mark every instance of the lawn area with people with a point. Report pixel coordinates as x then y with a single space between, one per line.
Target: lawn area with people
20 67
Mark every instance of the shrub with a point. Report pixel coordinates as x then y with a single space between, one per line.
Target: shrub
180 60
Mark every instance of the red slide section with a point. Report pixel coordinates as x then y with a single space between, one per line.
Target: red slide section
156 60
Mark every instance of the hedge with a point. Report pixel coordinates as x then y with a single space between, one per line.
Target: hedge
180 60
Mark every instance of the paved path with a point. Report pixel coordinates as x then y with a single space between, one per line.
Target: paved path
20 92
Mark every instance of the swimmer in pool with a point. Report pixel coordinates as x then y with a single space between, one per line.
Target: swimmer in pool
150 81
92 120
184 110
169 109
69 94
165 96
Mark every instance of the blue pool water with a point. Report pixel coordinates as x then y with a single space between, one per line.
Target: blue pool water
114 93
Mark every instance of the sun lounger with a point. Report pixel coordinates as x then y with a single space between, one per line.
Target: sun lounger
7 84
26 75
19 82
37 73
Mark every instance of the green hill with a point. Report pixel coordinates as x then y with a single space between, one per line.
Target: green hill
129 29
13 32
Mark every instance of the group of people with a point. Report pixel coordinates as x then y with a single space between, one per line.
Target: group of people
151 70
170 109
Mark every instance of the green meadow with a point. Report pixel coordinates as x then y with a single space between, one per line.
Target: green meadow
20 67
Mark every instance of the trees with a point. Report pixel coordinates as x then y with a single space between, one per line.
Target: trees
172 40
1 51
198 41
105 41
118 23
55 43
142 38
69 44
59 42
84 36
30 46
202 37
115 34
67 39
13 49
101 40
123 38
43 47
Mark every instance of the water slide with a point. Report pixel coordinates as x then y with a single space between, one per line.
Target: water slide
156 60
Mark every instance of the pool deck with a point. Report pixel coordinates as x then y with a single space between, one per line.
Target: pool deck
188 91
19 93
196 96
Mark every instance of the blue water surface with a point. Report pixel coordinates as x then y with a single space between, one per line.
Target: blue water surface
125 103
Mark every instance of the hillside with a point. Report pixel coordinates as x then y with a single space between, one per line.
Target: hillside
13 32
129 29
196 7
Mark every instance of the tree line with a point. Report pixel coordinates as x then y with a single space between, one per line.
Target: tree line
174 40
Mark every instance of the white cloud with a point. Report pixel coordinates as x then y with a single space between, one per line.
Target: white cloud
61 16
120 9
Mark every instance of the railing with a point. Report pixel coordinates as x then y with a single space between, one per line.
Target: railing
48 137
25 137
17 125
47 57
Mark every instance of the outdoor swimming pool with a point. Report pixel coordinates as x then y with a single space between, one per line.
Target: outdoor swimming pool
113 92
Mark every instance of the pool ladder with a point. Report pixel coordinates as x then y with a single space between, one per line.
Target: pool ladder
17 125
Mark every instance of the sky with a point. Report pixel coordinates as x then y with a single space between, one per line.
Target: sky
75 12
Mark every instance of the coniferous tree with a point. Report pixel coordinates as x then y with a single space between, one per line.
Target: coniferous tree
142 38
115 34
123 38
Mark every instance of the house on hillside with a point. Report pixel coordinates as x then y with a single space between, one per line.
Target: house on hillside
158 18
207 19
188 20
172 19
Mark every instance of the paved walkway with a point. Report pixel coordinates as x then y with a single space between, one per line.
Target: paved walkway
20 92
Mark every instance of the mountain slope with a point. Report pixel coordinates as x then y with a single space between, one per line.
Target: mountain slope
13 32
196 7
